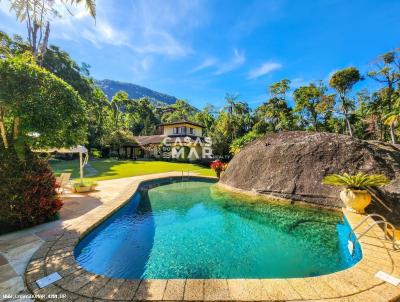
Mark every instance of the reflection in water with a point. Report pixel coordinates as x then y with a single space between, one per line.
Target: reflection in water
125 238
195 230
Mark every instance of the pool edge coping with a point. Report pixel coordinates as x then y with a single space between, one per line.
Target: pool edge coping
356 282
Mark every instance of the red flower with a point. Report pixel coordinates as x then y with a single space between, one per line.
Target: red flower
218 166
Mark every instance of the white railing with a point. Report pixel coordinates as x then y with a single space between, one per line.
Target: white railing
382 220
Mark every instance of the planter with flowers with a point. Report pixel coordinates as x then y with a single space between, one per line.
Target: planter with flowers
85 186
218 166
354 193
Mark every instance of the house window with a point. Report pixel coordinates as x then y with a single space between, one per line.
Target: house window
175 130
190 130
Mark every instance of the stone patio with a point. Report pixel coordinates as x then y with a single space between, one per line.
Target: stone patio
82 213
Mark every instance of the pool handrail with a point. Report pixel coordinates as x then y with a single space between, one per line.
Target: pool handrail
378 222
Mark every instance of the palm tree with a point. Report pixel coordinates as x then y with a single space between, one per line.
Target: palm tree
37 15
392 120
387 72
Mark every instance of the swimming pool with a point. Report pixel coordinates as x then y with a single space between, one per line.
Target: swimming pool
193 229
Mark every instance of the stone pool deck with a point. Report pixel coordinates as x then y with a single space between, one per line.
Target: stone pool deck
82 213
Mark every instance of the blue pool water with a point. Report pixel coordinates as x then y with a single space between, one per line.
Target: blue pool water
194 229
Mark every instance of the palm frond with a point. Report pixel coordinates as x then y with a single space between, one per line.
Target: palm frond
357 181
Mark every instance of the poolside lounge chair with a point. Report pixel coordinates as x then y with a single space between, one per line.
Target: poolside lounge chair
63 181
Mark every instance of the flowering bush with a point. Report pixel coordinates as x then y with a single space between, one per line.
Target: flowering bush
27 191
218 166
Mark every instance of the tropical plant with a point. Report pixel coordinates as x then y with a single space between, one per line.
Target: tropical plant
357 181
392 119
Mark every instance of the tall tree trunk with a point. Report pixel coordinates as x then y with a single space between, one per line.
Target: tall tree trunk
3 134
3 129
43 47
349 126
17 122
393 134
346 116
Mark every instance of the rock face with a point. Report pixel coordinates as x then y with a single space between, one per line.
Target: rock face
292 165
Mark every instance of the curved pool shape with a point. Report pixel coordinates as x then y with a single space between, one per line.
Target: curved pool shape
194 229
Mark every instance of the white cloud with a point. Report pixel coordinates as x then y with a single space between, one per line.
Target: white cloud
264 69
237 60
209 62
144 26
5 8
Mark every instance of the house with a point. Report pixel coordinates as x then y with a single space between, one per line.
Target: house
170 138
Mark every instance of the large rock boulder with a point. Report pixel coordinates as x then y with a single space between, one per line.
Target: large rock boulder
292 165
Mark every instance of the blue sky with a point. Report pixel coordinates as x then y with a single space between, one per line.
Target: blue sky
201 50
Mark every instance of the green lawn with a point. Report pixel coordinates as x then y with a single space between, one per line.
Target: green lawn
110 169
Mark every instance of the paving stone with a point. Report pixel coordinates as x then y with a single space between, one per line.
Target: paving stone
42 251
65 243
246 290
360 279
304 288
83 299
3 260
127 290
20 256
75 283
109 290
68 296
35 264
343 287
174 290
51 234
388 291
216 289
151 290
32 286
7 272
370 295
93 287
70 269
48 290
17 241
35 274
323 290
194 290
55 251
279 289
12 286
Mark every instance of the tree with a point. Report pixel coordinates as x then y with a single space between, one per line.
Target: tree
221 136
119 103
142 117
275 113
343 81
43 112
179 111
312 103
240 120
37 15
387 72
206 117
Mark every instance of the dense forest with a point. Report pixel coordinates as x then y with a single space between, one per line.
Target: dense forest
335 106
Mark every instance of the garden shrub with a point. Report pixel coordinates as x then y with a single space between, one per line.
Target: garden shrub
27 191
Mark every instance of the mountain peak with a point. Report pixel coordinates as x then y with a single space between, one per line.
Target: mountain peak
134 91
